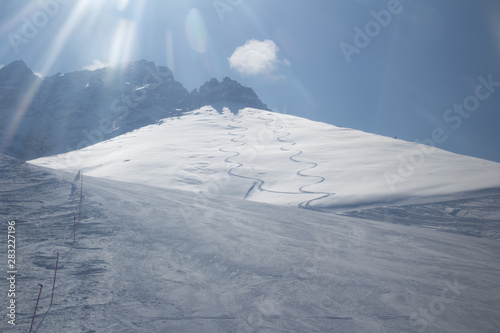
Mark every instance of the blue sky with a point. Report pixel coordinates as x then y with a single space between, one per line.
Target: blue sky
398 68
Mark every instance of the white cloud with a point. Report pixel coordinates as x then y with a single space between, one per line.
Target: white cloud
95 65
256 57
2 66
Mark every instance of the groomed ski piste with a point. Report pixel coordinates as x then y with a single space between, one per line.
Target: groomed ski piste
156 260
184 240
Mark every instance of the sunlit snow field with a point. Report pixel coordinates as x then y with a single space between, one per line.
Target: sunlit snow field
276 158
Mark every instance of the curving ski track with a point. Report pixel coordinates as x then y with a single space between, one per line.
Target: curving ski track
305 204
258 181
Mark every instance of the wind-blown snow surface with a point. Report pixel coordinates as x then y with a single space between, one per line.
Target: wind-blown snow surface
149 259
275 158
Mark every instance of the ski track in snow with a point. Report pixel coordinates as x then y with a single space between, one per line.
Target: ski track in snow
231 172
305 204
334 170
258 182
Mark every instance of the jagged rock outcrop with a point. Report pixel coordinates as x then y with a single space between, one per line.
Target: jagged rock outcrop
228 90
64 112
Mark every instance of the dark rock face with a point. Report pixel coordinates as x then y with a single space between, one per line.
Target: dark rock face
15 73
228 90
64 112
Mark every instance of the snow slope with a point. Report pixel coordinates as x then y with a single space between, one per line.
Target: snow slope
282 159
478 216
150 259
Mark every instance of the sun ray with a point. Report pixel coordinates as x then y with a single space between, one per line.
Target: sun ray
71 23
68 28
170 50
122 5
196 31
123 42
15 20
21 109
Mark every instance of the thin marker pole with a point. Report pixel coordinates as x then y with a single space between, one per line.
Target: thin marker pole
74 228
53 285
36 306
81 195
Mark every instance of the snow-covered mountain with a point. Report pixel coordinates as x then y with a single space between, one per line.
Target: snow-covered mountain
65 112
193 222
275 158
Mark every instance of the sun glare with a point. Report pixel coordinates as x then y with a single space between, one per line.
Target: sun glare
123 42
82 10
196 31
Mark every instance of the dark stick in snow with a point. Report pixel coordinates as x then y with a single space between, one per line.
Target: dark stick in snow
81 194
36 306
54 284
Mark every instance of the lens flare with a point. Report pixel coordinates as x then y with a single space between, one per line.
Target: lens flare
196 31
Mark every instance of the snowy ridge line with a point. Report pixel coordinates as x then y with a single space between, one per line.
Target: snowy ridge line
305 204
256 180
474 215
26 172
350 163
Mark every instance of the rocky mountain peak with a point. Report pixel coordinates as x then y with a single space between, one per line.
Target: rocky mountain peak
227 90
16 71
73 110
